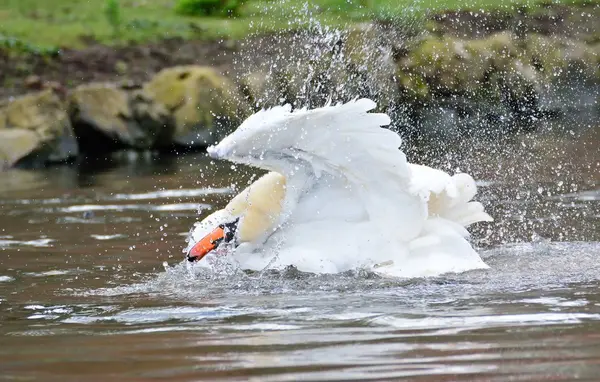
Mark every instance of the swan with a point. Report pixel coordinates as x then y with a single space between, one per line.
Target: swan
339 194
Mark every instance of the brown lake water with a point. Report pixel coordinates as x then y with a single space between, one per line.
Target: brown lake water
84 293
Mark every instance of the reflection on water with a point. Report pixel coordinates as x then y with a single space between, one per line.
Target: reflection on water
83 286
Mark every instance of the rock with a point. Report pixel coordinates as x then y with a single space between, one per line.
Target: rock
345 69
261 89
552 56
43 114
204 104
152 117
106 117
440 62
368 52
33 82
456 66
495 70
444 66
16 144
121 67
56 87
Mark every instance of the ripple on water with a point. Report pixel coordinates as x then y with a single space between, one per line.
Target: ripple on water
461 323
182 314
591 195
108 237
64 312
6 279
43 242
178 193
135 207
55 272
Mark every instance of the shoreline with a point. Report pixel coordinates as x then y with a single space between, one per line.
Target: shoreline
180 95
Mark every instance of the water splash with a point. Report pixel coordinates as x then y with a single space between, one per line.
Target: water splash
316 63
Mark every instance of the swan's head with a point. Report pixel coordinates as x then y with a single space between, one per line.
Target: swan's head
211 234
250 217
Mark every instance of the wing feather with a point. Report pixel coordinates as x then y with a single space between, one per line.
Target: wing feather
343 140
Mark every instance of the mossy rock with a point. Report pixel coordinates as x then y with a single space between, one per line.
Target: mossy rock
496 52
103 119
359 44
517 86
152 117
44 114
554 55
492 69
204 104
546 54
17 144
442 62
261 89
351 66
286 85
313 83
414 86
456 66
368 68
595 49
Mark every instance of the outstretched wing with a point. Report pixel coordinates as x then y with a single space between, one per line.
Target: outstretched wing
344 141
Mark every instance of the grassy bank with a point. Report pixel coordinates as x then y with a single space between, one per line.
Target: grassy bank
49 24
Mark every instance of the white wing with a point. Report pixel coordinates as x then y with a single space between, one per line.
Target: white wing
351 197
346 142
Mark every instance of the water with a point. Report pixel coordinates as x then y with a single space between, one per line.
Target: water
84 293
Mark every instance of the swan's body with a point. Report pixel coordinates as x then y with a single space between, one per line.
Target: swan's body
341 195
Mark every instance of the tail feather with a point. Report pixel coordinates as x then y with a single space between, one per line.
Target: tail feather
462 209
449 197
467 214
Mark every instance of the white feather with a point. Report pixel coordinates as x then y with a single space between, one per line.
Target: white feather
351 198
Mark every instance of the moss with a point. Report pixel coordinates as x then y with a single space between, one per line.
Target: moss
444 63
121 67
33 110
169 86
414 85
3 123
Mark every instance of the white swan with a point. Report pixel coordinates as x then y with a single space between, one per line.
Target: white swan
340 196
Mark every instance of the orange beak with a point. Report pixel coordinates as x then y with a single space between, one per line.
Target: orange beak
206 244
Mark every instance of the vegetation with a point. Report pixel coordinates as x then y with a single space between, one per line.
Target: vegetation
113 16
72 23
208 7
17 46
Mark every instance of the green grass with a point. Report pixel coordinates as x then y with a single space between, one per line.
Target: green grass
42 24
